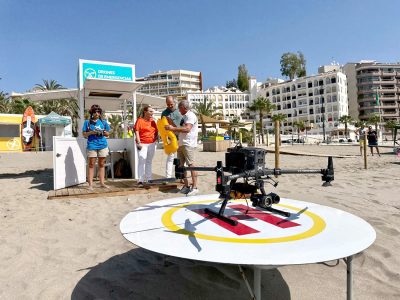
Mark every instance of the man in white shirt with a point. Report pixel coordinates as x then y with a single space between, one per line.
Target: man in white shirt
187 143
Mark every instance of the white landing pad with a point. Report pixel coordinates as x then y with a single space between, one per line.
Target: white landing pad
313 233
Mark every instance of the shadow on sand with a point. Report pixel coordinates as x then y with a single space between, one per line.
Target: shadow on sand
141 274
43 179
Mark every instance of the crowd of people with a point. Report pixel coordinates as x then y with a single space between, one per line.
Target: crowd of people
181 121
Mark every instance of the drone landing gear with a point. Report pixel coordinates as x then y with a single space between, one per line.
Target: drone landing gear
220 216
277 211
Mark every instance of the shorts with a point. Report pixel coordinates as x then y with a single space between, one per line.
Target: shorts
186 155
97 153
361 142
372 144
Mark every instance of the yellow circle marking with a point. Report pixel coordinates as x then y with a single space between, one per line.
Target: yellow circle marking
319 226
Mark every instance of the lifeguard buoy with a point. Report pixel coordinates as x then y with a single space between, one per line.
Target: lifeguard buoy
168 137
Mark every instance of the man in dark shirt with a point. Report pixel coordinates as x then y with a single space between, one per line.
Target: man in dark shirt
372 140
174 118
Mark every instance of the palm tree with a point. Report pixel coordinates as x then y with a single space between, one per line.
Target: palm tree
233 124
263 107
64 107
346 120
360 123
300 125
115 122
374 119
19 105
391 124
5 103
48 85
280 118
207 109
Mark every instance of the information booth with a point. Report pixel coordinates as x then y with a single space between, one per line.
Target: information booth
113 87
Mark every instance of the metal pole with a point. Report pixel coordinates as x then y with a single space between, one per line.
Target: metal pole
323 119
277 138
349 262
125 114
257 283
365 150
254 133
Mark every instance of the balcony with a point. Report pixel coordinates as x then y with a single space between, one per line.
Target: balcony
390 113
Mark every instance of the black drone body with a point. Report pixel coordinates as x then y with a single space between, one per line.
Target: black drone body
248 164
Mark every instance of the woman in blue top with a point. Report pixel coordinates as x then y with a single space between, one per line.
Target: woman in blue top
96 130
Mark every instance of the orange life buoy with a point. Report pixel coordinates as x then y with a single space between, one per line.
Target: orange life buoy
168 137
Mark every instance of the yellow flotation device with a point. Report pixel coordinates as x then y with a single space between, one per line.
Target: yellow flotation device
168 137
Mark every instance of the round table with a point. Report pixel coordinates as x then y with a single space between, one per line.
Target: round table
313 233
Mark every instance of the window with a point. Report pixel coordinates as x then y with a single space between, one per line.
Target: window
9 130
310 84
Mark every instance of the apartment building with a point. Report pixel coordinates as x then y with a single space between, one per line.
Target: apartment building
311 99
230 102
378 90
174 83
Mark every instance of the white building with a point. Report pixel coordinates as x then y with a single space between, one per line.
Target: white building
306 98
230 102
171 83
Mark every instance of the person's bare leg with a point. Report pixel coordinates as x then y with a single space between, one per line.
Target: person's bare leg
194 177
92 162
101 163
377 151
372 150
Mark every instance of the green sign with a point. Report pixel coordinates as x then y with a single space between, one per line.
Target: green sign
106 72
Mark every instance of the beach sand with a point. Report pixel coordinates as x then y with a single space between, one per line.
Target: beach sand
73 249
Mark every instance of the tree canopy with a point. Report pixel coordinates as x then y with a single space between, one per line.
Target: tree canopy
374 119
243 78
231 83
346 120
263 107
205 108
293 65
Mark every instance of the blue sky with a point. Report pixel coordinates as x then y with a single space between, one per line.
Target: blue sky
45 39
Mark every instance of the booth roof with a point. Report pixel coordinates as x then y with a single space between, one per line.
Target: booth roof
73 93
54 119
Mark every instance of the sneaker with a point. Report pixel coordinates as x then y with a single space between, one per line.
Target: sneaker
104 186
193 191
184 190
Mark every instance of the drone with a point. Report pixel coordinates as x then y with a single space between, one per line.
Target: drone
248 164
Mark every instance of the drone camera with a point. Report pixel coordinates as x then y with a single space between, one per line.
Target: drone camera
265 201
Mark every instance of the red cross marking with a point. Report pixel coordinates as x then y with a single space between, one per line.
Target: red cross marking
247 213
239 229
266 217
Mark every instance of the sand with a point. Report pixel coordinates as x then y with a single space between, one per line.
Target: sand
73 249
